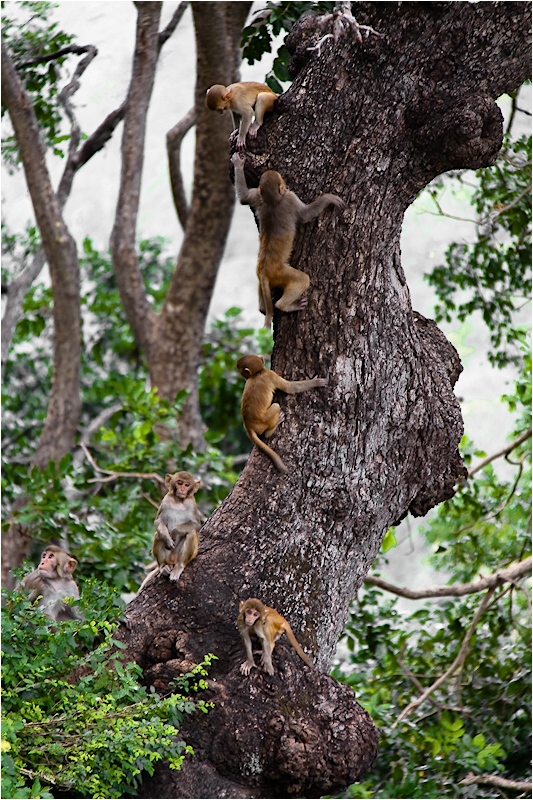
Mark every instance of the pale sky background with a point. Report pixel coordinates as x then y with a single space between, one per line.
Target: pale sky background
110 26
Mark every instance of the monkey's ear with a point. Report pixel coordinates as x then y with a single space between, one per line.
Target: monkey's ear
196 485
71 564
247 372
168 478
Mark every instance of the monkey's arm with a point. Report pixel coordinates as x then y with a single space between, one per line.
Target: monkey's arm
266 658
295 387
247 665
163 532
308 212
247 197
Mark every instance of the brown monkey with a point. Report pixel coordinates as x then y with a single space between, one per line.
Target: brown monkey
176 527
52 581
259 414
243 100
268 625
278 211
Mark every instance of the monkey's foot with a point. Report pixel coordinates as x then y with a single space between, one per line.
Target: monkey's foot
165 570
175 574
298 305
246 666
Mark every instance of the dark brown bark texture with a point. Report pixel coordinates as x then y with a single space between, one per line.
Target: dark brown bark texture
374 122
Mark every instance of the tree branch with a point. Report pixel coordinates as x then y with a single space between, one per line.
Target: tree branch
113 475
167 32
175 137
72 48
504 452
509 575
496 780
457 662
123 246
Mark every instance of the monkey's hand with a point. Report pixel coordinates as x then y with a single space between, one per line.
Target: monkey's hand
237 160
246 666
338 202
252 131
269 669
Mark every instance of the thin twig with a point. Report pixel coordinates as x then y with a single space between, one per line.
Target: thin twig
504 452
457 662
112 474
510 574
496 780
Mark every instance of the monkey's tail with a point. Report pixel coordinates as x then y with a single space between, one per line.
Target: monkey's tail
292 639
266 449
267 298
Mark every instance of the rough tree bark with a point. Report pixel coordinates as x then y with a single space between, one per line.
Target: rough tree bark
374 121
171 340
64 406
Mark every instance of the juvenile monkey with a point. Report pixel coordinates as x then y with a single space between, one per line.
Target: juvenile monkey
176 527
259 414
52 581
243 100
278 211
268 626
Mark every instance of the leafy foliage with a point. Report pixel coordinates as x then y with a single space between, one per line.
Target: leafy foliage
269 22
479 719
89 497
493 274
32 35
74 716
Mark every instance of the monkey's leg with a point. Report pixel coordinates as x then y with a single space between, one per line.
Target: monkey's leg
271 419
247 665
187 550
297 282
262 305
266 658
263 103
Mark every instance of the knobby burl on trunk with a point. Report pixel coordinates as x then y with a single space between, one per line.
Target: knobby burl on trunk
374 122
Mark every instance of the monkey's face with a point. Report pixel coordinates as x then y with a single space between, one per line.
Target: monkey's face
251 615
181 485
48 564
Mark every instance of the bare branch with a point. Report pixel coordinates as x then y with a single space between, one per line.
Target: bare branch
113 475
507 575
175 137
167 32
457 662
504 452
496 780
72 48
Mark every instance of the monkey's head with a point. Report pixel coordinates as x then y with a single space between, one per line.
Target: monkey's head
216 98
251 610
181 484
56 562
272 187
249 366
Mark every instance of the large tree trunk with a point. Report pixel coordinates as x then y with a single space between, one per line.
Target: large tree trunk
171 341
64 407
373 121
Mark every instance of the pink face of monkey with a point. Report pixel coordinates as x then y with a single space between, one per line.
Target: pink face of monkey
181 485
56 563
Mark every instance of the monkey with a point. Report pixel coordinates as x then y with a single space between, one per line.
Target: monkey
259 414
278 211
268 626
243 100
52 582
176 527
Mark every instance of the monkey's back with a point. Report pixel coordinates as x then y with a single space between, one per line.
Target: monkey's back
256 398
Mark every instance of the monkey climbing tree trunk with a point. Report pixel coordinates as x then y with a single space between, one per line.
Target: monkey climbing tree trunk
372 117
